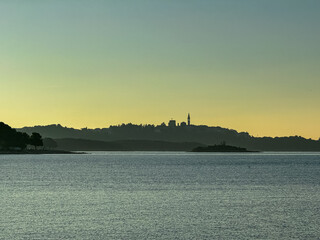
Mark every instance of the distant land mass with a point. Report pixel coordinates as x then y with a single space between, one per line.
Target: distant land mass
15 142
72 144
220 148
164 137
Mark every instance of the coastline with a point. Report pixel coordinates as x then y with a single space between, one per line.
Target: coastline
39 152
221 148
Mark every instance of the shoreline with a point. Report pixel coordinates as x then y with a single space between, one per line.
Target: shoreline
39 152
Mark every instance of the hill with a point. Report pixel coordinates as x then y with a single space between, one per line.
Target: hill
151 135
70 144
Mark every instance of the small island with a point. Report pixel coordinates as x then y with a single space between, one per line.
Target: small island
221 148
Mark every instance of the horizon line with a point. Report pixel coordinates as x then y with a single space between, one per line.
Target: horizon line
159 125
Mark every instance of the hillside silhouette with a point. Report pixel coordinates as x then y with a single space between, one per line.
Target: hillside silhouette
11 139
71 144
152 135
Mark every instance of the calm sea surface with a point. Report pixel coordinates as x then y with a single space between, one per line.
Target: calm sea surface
134 195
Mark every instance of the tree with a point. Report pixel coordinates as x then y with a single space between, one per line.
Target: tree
22 139
10 139
36 140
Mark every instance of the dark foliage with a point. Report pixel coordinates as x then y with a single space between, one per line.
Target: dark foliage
36 140
10 139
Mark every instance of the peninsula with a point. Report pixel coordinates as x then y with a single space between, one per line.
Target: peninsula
15 142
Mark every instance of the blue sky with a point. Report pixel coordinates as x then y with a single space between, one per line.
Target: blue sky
252 65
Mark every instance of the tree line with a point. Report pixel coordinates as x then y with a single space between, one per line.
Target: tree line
11 139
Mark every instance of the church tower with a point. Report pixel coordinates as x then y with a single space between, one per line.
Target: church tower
188 119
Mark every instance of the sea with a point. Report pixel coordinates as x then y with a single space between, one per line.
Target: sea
160 195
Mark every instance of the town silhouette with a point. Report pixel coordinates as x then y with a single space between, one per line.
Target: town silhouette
173 136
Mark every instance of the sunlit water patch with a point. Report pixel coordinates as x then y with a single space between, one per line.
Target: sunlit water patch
135 195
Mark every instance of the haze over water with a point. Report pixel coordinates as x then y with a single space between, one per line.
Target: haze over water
133 195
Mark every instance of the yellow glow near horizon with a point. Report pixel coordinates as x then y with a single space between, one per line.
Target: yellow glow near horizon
100 64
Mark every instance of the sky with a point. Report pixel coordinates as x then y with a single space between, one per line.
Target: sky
249 65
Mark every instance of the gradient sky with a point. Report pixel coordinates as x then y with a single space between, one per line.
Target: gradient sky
249 65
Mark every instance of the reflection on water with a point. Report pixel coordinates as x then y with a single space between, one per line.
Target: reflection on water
136 195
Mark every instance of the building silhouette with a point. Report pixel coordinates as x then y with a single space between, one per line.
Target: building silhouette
172 123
